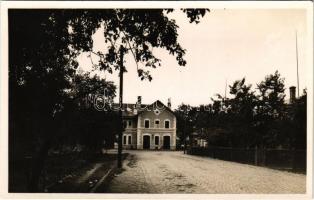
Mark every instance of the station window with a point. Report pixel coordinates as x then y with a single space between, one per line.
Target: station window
124 139
130 139
146 123
157 123
156 140
167 124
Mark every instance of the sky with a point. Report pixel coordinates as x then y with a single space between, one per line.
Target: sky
227 45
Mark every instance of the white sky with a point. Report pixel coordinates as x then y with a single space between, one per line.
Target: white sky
227 45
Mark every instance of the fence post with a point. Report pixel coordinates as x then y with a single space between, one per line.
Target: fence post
256 160
214 152
231 154
294 160
265 157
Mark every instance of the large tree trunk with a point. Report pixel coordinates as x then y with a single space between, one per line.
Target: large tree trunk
38 161
38 166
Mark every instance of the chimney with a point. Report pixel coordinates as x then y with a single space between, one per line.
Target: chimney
292 94
169 103
139 101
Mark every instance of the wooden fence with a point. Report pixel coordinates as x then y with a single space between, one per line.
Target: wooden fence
284 159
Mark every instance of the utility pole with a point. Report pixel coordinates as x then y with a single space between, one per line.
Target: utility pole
184 135
297 57
120 108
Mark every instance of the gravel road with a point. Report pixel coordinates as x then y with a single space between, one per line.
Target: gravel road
174 172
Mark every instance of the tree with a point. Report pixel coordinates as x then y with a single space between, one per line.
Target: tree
295 122
43 47
272 95
270 109
185 120
85 119
242 109
40 67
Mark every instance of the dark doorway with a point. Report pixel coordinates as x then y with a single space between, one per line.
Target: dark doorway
146 142
166 142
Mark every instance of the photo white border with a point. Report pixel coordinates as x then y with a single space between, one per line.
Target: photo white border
5 5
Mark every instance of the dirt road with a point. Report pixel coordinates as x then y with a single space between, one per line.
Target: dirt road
174 172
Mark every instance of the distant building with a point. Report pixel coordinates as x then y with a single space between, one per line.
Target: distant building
197 140
150 126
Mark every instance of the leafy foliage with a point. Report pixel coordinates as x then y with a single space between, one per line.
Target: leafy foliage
272 94
138 32
249 118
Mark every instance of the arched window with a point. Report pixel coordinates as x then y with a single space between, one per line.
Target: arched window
130 139
156 140
124 139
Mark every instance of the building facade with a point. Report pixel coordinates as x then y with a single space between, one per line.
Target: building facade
149 126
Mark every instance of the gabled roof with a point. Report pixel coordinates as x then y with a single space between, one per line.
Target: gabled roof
130 110
167 108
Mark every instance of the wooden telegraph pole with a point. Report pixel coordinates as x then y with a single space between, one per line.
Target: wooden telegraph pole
297 59
120 108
